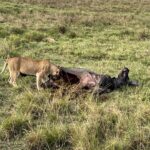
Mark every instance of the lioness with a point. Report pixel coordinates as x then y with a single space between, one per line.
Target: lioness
22 65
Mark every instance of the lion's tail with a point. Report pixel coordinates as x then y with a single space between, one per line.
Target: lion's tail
5 64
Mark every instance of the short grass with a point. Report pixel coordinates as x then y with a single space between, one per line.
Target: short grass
103 36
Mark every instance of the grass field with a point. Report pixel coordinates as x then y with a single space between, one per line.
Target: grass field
103 36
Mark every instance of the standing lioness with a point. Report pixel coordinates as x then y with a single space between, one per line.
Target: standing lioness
22 65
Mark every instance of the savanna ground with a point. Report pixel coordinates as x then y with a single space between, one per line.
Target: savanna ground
103 36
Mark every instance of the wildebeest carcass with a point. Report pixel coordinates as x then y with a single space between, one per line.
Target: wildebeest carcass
86 79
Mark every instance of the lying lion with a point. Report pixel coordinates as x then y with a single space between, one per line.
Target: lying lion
27 66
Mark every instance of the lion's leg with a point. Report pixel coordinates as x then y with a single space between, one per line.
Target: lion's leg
14 73
10 76
14 78
10 80
39 80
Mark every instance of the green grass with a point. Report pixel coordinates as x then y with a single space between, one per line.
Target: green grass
103 36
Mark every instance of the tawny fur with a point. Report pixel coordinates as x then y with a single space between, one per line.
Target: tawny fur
23 65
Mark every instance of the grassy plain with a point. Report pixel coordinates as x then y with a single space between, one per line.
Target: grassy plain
103 36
